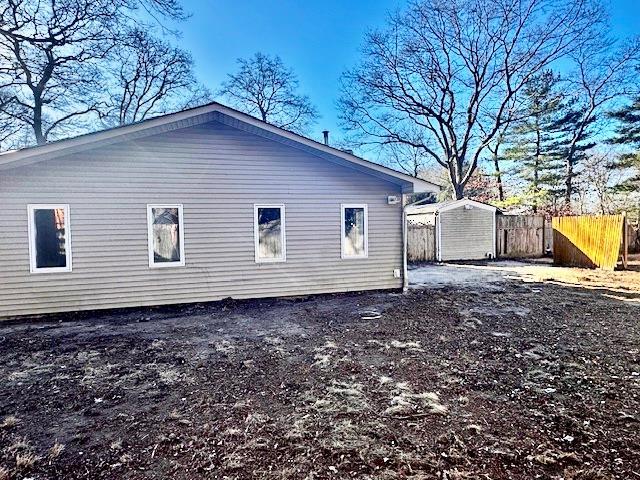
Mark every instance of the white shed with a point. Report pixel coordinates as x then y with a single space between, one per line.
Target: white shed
465 229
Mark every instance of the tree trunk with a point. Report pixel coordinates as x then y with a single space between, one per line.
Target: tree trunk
496 164
568 181
37 121
536 168
458 188
263 114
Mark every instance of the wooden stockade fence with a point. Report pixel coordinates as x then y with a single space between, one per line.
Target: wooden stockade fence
517 236
633 237
523 236
589 241
585 241
421 243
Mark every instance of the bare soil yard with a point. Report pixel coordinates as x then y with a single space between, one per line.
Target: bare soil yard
496 374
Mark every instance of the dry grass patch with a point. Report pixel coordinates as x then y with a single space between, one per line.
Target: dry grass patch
409 345
321 360
405 402
322 357
339 397
10 421
56 450
255 421
158 345
225 347
170 375
232 432
301 428
26 460
174 414
551 457
4 474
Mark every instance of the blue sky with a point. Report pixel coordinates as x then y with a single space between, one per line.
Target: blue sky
318 40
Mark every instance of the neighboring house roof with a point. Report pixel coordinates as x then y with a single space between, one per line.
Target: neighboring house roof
206 113
448 205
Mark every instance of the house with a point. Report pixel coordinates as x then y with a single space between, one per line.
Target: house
193 206
464 229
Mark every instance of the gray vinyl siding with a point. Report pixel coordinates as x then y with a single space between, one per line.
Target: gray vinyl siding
217 173
466 234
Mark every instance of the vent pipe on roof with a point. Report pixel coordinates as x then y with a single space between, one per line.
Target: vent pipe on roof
326 136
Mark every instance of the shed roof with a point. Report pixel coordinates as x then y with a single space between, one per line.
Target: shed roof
448 205
206 113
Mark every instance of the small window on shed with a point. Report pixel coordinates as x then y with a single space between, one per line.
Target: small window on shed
166 236
355 231
269 229
49 238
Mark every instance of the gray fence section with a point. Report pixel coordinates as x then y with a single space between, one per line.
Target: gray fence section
633 237
523 236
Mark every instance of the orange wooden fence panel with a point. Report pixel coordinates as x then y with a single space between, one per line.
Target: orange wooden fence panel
588 241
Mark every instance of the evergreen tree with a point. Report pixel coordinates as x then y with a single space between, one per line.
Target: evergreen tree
534 136
569 147
627 133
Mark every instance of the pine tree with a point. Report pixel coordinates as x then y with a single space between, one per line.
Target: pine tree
627 134
569 147
532 142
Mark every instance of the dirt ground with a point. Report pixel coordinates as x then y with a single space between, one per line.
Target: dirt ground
505 370
534 270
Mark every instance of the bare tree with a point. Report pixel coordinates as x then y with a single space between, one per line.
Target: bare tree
595 190
151 77
403 157
9 128
51 54
408 159
495 149
454 68
604 74
263 86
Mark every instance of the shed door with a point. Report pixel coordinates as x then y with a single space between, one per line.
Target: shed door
466 234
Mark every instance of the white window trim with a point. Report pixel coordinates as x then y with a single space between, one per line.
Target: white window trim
343 207
152 263
256 233
33 268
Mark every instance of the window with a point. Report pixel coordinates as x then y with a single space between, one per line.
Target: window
270 243
355 231
49 238
166 236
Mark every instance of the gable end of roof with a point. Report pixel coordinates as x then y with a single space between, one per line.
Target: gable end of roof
203 114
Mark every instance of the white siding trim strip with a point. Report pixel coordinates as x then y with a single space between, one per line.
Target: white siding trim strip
150 246
495 253
466 201
439 238
33 266
343 236
256 234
